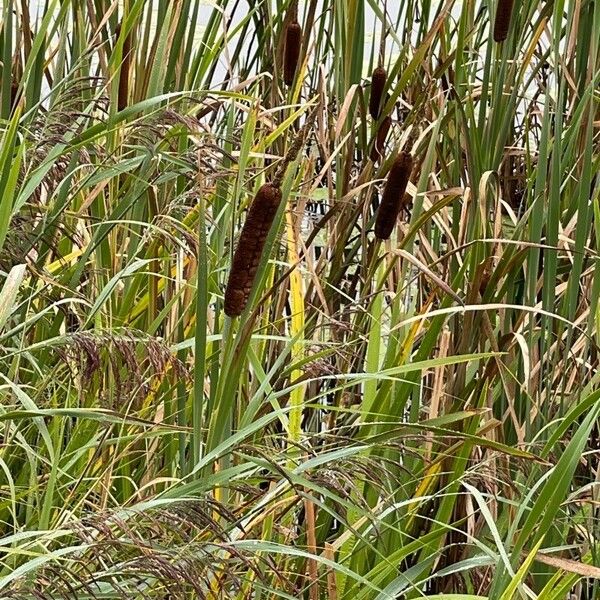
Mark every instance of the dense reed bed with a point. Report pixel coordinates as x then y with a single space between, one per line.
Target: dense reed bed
288 310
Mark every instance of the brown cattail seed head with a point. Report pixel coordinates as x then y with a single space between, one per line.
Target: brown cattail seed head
293 42
250 248
14 93
504 11
379 144
393 195
123 96
378 79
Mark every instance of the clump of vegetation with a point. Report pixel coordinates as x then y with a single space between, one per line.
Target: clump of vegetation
209 396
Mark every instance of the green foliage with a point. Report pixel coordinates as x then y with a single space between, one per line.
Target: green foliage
386 419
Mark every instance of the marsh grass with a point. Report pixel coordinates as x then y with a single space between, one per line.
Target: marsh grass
410 417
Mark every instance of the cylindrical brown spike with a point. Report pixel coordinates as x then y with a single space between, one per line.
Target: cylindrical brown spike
14 93
293 43
250 248
393 194
123 97
379 144
504 11
378 79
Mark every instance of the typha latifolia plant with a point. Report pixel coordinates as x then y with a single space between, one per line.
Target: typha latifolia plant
393 195
415 418
504 10
292 47
250 248
378 81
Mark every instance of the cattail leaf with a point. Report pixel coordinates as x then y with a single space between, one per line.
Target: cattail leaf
425 269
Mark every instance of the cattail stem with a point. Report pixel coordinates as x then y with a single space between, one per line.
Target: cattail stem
393 194
293 43
378 79
504 11
250 248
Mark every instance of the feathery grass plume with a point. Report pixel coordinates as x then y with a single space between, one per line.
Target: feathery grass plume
378 79
293 42
393 195
250 248
504 11
379 144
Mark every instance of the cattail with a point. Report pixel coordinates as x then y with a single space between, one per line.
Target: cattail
393 195
123 99
378 79
14 94
123 92
504 10
379 144
250 248
293 42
